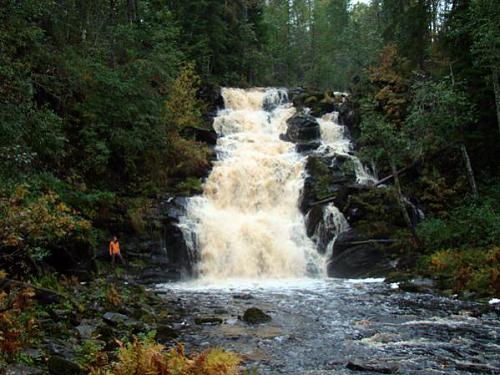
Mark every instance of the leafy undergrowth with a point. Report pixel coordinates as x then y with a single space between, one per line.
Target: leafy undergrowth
146 357
17 323
472 270
107 326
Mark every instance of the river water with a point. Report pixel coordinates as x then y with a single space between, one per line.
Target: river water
253 251
318 326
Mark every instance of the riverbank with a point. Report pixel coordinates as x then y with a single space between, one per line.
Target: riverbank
62 326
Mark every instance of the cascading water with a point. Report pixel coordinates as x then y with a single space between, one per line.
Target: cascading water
247 222
335 142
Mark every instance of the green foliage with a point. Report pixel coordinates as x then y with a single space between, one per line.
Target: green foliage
189 186
438 114
475 224
31 225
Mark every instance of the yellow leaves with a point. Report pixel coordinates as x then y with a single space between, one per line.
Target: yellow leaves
388 77
17 323
37 222
113 296
183 108
147 357
23 299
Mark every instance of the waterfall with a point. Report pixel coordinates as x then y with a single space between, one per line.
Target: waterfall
247 222
336 142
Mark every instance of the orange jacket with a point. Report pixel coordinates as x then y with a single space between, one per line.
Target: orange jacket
114 247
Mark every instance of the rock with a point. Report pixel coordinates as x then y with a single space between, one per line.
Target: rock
373 368
304 131
254 315
208 136
86 329
244 296
63 366
165 333
417 285
210 320
21 370
355 256
115 319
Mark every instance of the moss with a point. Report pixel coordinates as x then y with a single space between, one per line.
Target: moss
254 315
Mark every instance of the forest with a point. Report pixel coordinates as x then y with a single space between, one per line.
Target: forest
102 104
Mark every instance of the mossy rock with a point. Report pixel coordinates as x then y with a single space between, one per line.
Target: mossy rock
208 320
254 315
310 100
62 366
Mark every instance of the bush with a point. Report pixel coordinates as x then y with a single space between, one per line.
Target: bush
17 321
33 224
475 270
470 225
146 357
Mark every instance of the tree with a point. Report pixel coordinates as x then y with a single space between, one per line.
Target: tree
485 32
438 118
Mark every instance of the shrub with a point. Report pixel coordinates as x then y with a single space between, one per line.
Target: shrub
17 321
146 357
470 225
31 225
475 270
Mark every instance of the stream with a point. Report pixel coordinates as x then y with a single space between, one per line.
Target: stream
328 326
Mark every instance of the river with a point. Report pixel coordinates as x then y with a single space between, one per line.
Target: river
250 241
319 326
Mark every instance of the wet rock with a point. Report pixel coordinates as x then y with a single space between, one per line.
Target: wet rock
115 319
22 370
254 315
418 285
356 256
86 329
165 333
209 320
304 131
63 366
243 296
373 368
482 368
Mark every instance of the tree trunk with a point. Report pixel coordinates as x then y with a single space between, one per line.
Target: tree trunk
470 172
496 88
400 200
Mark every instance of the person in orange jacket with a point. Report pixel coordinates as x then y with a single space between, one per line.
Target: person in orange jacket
114 250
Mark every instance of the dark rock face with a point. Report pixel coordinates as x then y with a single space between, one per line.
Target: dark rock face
302 128
254 315
355 256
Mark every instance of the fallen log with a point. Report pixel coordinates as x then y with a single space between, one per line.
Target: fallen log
401 171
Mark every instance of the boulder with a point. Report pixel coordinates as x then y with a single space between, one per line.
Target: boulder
165 333
303 129
59 365
254 315
356 256
86 329
114 319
